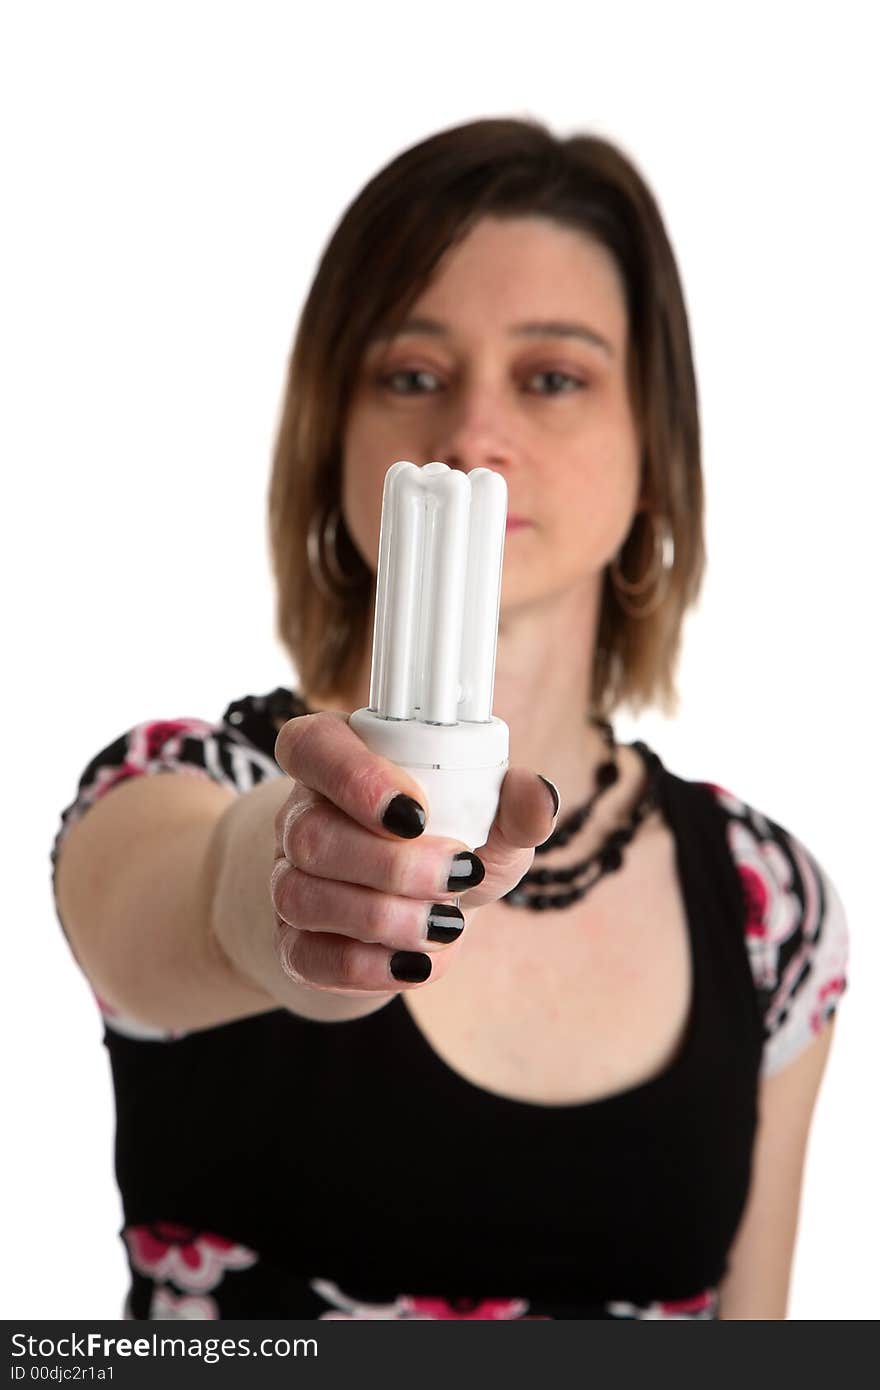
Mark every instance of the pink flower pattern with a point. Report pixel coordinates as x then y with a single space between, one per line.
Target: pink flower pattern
421 1308
167 1306
149 746
773 912
699 1308
194 1260
416 1307
795 928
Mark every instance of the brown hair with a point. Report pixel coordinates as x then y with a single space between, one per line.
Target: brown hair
379 259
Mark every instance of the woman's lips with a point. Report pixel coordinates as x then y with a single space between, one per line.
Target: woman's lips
515 522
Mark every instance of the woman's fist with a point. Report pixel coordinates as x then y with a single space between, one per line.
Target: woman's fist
365 902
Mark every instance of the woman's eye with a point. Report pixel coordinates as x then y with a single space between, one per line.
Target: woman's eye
419 381
559 383
410 381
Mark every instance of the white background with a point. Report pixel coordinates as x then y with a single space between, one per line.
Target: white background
170 175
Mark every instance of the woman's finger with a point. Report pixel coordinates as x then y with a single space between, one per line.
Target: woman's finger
346 909
526 815
326 961
320 751
323 841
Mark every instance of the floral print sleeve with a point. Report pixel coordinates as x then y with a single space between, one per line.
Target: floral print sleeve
190 746
796 930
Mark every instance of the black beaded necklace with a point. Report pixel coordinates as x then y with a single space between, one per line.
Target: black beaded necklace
579 878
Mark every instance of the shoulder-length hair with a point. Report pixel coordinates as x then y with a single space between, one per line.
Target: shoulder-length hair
379 259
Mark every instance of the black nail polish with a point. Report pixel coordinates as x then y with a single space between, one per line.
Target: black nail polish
445 922
553 792
404 817
410 966
467 871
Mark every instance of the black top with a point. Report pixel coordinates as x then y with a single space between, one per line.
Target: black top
277 1166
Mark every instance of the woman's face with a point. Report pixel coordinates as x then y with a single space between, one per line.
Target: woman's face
513 358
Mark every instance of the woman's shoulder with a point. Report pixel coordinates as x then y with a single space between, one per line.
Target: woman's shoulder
793 921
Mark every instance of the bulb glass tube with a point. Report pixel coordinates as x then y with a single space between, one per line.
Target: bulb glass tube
435 635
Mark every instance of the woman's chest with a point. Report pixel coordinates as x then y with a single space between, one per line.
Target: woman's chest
570 1006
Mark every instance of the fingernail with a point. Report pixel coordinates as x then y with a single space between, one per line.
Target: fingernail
553 792
410 966
466 872
405 817
445 922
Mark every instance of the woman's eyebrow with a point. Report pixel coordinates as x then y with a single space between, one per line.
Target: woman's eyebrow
542 328
558 328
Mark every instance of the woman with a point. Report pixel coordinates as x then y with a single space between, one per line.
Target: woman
578 1087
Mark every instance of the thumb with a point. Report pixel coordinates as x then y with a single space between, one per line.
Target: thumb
527 810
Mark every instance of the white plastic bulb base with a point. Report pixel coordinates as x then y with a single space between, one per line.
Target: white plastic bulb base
460 768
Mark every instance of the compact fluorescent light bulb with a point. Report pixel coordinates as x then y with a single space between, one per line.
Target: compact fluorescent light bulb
438 592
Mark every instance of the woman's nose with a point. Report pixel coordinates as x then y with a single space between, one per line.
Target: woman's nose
475 434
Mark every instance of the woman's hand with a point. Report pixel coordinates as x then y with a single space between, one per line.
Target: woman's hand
364 902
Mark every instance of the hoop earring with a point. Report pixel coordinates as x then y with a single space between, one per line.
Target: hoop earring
656 576
323 555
